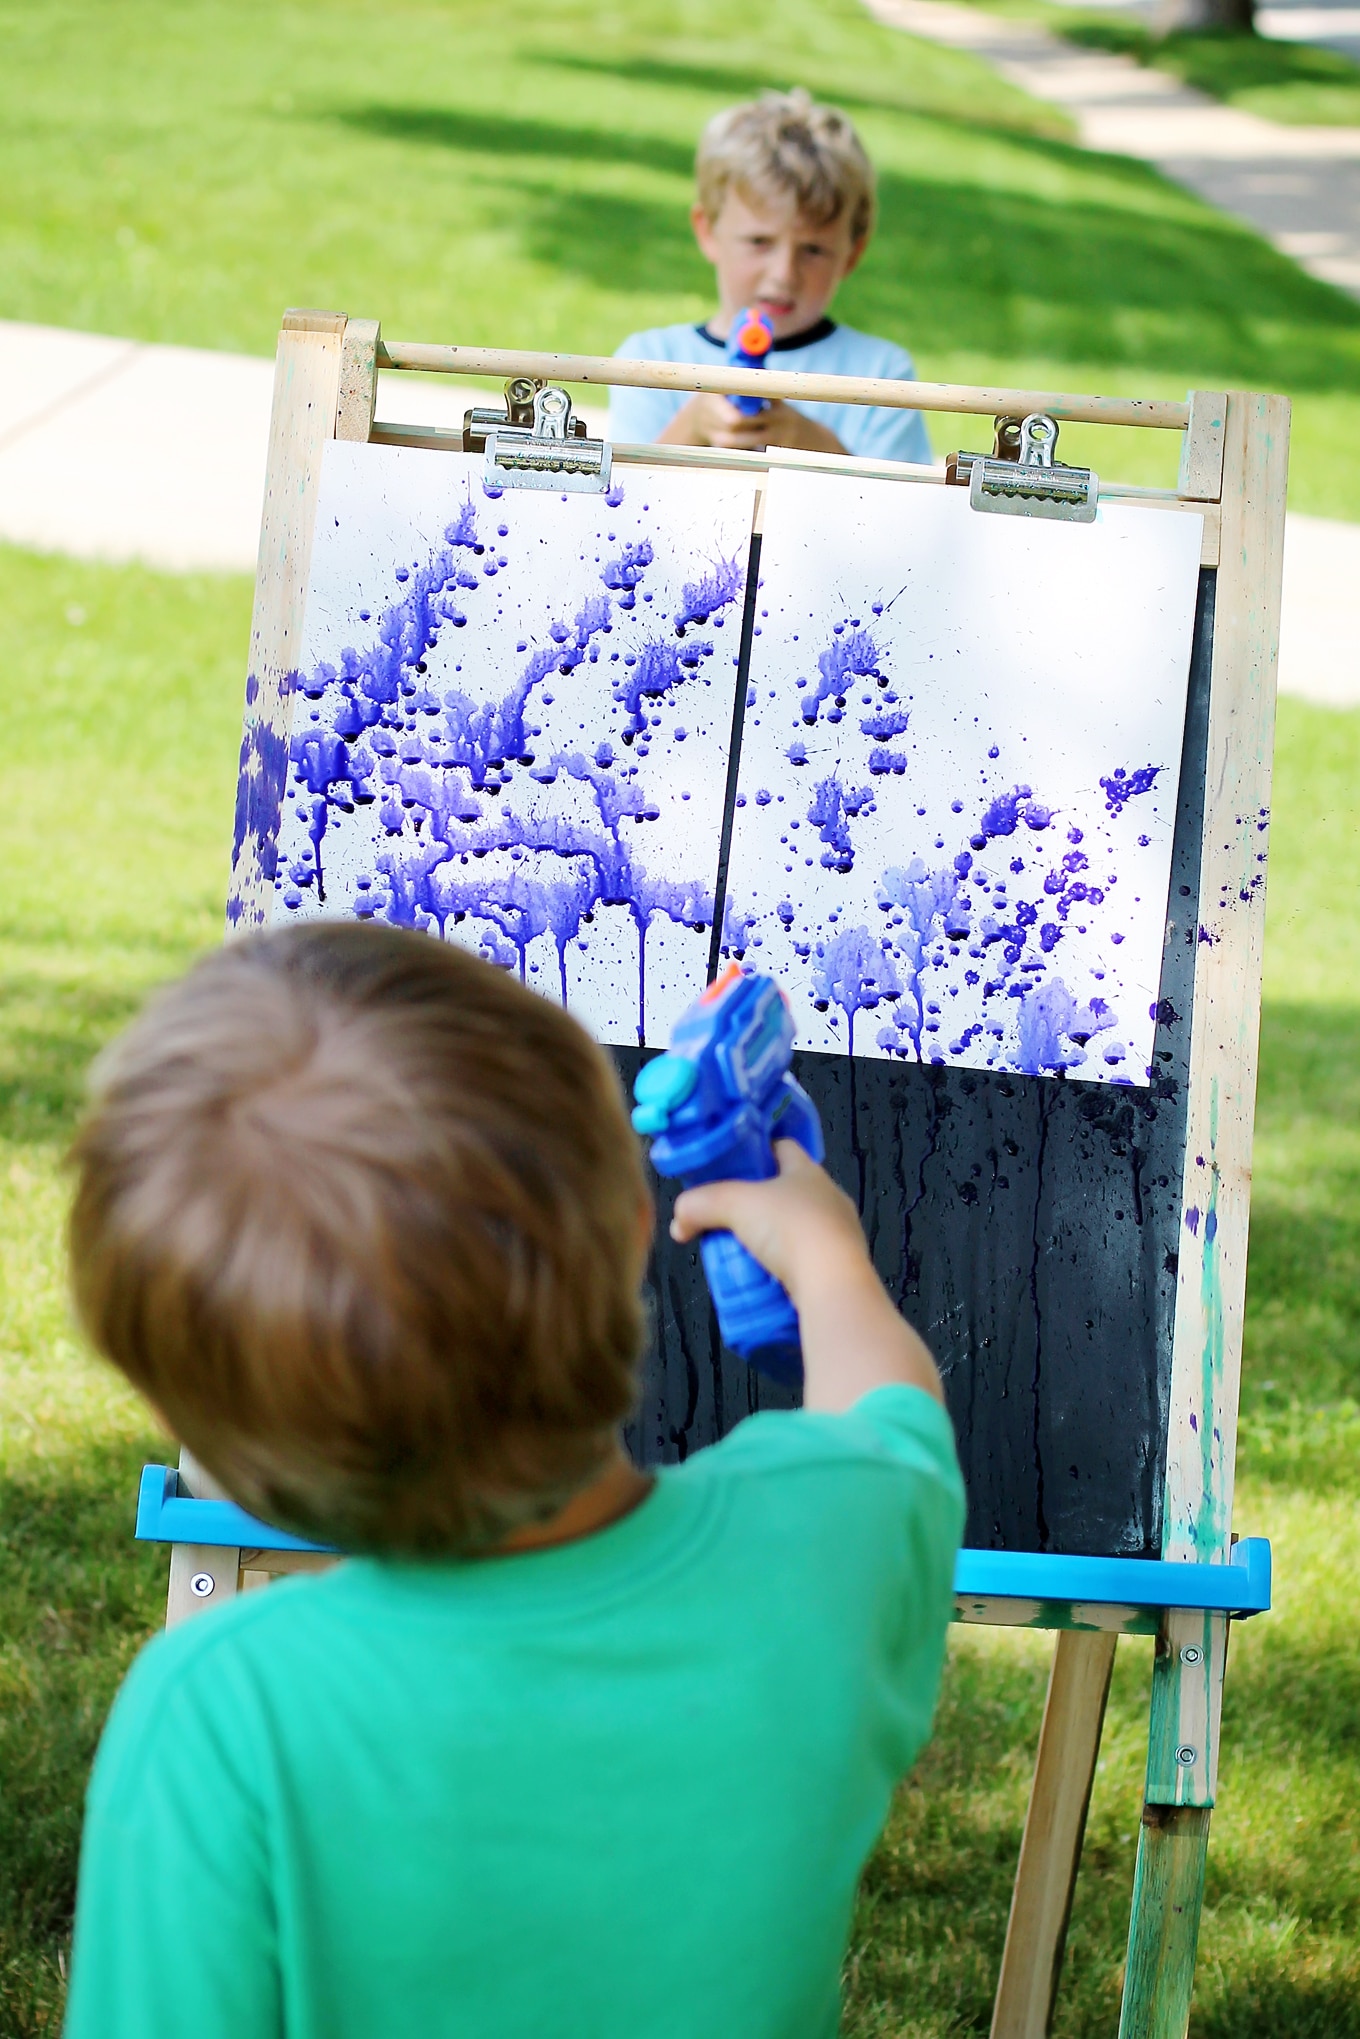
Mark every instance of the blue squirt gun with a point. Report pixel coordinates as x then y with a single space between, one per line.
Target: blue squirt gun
749 341
713 1106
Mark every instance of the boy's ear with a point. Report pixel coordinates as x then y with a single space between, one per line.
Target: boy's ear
703 232
856 256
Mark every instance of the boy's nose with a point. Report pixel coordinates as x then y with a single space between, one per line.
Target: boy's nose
783 265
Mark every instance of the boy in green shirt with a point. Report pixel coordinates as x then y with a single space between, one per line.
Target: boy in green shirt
569 1748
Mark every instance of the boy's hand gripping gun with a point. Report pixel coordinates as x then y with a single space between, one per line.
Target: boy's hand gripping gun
749 341
713 1106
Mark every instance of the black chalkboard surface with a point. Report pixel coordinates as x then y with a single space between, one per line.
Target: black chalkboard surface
1028 1227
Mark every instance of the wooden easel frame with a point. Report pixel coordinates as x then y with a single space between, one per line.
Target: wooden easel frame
1233 472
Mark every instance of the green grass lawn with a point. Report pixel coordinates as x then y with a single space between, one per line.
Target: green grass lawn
520 174
123 704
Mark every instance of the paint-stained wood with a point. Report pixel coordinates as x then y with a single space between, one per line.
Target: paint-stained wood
1168 1892
306 397
1069 1742
1212 1246
1182 1780
1004 1611
358 380
1187 1706
1201 476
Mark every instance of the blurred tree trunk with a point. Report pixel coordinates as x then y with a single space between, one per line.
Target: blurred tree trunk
1181 17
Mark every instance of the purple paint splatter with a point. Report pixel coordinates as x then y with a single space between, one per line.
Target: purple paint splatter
456 779
1123 786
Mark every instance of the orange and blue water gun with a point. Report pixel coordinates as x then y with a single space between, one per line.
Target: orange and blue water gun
749 341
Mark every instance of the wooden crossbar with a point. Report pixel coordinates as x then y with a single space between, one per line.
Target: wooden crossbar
1161 413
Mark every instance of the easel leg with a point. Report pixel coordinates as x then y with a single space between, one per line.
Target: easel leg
1168 1889
1173 1842
1069 1742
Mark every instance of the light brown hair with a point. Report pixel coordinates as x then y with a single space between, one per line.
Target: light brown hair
361 1216
787 144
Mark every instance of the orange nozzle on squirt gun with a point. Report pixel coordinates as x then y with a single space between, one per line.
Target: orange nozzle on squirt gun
749 341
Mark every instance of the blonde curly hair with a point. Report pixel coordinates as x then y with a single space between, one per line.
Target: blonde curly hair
786 143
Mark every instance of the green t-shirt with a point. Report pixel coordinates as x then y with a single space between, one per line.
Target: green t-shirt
618 1789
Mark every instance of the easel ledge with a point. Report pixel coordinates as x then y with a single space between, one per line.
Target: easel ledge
1234 461
1125 1595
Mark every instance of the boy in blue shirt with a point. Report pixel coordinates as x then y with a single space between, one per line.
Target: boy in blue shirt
568 1748
784 211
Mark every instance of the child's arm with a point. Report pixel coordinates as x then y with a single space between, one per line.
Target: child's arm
806 1232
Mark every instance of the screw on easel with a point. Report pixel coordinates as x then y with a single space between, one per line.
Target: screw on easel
1185 1755
202 1584
1191 1654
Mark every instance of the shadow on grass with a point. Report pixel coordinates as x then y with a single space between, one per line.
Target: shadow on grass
936 1893
1267 2005
78 1597
728 84
488 134
634 245
956 264
49 1035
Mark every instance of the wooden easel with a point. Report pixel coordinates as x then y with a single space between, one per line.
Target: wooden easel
1233 470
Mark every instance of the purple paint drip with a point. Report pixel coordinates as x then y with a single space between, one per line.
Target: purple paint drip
854 972
850 658
442 769
712 591
832 810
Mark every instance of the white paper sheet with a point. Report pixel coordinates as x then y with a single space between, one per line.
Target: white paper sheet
959 775
516 721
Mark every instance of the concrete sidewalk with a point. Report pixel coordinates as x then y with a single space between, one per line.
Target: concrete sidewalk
111 449
1330 24
1298 186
